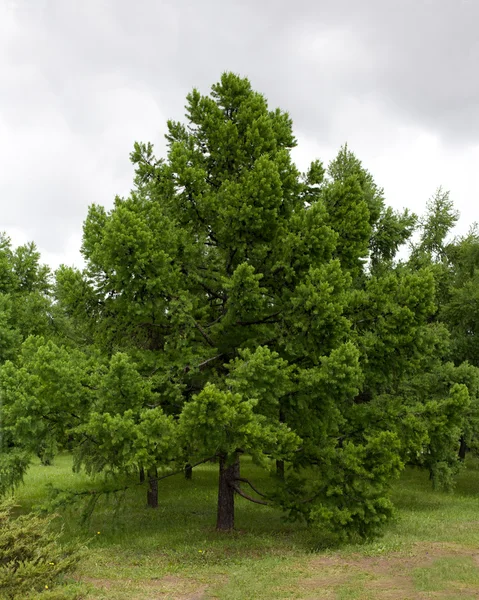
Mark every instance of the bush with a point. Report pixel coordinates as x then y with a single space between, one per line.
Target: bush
33 563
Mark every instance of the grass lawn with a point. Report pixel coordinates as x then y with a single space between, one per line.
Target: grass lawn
135 553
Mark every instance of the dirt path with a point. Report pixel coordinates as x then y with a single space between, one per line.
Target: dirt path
429 571
393 576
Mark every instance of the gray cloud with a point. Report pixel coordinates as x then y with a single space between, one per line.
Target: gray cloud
80 81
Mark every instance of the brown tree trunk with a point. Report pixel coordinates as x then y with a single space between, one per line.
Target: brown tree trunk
141 472
188 471
226 495
152 491
462 449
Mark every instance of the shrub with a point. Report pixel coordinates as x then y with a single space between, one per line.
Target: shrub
33 563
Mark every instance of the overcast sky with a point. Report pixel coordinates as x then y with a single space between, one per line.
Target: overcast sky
81 80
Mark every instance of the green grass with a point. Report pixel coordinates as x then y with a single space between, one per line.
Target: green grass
459 571
174 552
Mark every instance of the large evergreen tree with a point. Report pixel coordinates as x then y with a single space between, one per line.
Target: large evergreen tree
239 306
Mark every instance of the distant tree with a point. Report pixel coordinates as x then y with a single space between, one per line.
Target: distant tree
25 300
25 309
454 263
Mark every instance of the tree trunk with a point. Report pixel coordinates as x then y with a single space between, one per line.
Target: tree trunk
226 495
280 469
280 463
141 472
462 449
188 471
152 492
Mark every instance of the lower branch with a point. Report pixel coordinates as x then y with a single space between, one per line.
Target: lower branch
248 482
240 492
132 485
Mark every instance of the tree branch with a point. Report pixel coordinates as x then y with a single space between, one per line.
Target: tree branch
204 334
127 487
203 364
240 492
230 260
151 324
216 320
261 321
182 469
248 482
218 295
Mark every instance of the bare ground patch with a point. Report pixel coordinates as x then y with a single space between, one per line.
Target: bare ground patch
386 577
170 587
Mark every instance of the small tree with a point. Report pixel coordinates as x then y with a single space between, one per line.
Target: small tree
32 560
25 309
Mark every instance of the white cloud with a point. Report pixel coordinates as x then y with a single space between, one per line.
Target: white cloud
80 82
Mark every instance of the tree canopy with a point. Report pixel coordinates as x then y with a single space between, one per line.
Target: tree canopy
233 306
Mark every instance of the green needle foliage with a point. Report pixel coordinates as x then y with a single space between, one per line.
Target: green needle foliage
25 309
233 305
25 288
32 561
